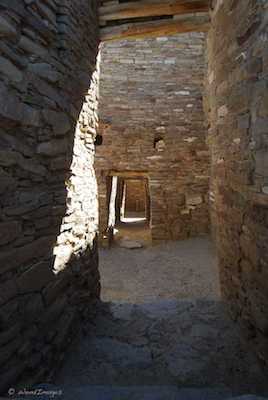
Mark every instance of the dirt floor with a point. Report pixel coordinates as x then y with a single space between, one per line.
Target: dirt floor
162 322
173 270
137 230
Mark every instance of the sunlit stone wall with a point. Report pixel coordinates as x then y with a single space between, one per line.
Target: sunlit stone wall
152 120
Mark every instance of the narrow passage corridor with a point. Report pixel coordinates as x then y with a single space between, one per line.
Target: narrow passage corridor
161 327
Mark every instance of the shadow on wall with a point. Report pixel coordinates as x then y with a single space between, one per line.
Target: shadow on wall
49 213
237 136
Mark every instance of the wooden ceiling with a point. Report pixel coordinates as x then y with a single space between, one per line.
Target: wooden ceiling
121 19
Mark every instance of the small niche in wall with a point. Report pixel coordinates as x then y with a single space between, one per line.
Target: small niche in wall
159 144
98 140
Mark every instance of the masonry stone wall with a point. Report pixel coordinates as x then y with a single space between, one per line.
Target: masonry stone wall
48 202
135 195
237 110
152 120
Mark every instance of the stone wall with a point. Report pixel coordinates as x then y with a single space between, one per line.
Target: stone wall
237 109
151 120
48 220
135 195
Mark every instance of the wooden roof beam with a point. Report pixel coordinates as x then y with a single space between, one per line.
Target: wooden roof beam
144 9
155 28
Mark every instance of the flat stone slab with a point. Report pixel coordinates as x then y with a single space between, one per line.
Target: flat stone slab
248 397
130 244
171 342
163 323
108 392
112 392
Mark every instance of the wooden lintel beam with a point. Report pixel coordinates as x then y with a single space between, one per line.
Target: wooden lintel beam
154 29
129 174
143 9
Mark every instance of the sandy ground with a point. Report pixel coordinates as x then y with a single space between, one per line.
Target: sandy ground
172 270
162 322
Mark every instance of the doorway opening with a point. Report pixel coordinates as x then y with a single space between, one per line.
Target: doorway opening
129 210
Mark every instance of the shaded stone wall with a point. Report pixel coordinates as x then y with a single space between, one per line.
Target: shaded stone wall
48 203
151 119
135 195
238 135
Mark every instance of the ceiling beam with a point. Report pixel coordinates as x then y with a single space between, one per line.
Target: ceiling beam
143 9
129 174
155 28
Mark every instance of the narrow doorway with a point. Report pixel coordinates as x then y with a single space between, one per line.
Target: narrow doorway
129 211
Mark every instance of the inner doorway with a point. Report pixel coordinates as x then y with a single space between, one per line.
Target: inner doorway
129 208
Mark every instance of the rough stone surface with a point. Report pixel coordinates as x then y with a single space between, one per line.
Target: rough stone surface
135 200
237 119
48 204
152 114
177 336
149 392
151 119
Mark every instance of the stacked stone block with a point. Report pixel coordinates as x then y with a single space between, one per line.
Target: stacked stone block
152 120
237 112
48 203
135 196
